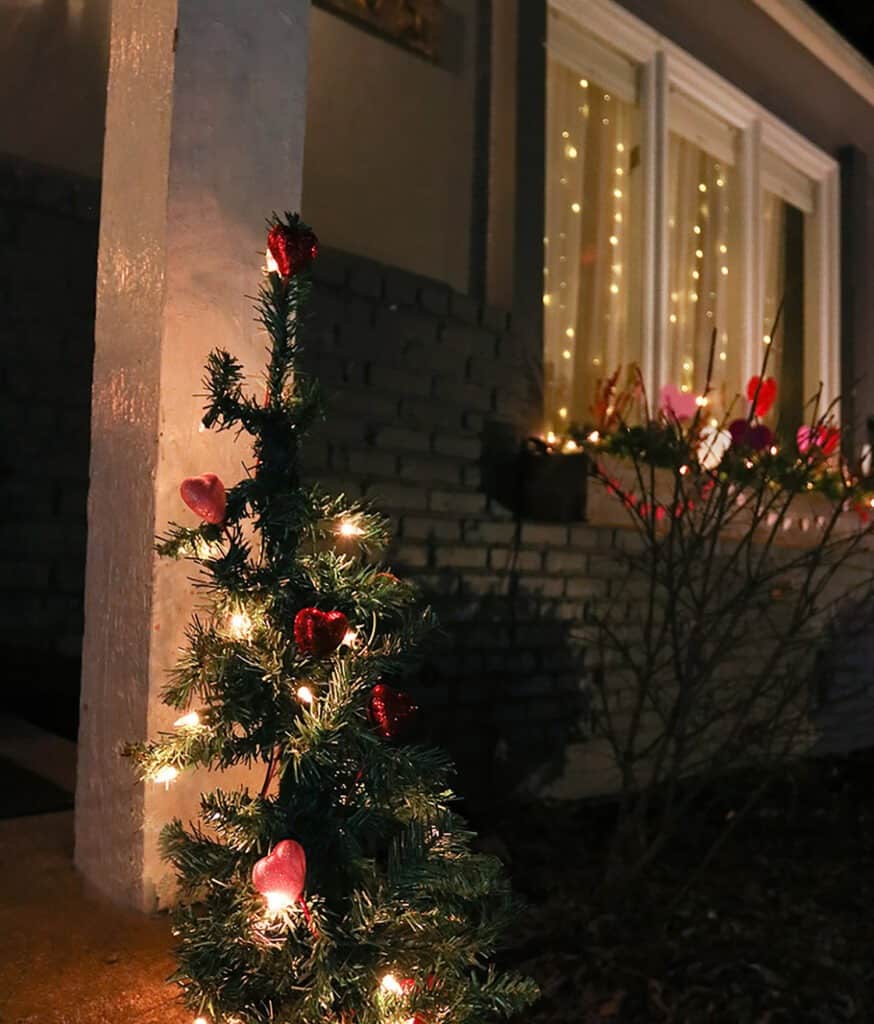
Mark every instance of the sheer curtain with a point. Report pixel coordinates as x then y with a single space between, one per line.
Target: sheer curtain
703 275
591 242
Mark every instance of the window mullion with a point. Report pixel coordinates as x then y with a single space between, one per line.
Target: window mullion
822 312
751 250
654 103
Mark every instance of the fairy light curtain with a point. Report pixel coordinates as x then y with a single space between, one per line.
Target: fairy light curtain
703 219
591 238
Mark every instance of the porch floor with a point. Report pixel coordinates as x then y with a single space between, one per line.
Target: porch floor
66 955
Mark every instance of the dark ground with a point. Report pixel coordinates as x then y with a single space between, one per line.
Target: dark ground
778 930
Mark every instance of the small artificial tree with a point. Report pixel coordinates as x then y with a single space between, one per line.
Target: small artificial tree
346 888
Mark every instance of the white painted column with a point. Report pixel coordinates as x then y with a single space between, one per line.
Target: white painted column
204 138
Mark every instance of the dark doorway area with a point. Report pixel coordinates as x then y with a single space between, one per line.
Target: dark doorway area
48 266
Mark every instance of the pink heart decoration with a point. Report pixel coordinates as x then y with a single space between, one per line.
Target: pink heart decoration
205 496
319 633
826 439
282 873
766 397
679 405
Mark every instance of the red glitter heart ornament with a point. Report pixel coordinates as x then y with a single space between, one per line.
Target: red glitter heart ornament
766 397
392 712
282 873
293 247
205 496
319 633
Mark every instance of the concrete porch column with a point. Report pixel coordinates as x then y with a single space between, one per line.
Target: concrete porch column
204 138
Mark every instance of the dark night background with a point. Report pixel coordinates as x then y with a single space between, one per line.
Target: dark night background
852 19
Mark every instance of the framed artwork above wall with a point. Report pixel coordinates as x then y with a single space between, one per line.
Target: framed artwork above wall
413 24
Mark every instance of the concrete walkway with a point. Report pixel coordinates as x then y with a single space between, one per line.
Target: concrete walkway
66 955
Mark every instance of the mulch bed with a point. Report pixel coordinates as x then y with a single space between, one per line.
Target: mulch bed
778 929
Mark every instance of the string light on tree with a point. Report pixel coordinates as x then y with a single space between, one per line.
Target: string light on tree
305 695
188 721
164 776
240 625
349 528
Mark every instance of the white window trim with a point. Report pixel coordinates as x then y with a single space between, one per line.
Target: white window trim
664 66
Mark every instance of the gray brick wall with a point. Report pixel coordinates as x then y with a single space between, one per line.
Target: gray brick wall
413 373
48 261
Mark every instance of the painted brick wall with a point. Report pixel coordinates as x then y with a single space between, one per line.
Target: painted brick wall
48 260
415 376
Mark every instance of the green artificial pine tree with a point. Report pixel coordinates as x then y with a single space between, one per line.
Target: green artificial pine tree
345 890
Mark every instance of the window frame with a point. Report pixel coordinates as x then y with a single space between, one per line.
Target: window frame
664 66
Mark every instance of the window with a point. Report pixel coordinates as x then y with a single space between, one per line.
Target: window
591 245
678 213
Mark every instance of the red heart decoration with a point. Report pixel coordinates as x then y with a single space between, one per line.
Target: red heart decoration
205 496
319 633
282 872
293 247
766 397
391 711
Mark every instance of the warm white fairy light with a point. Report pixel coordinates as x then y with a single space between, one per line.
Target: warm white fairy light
596 361
547 299
200 1020
723 270
565 134
702 187
693 297
550 437
562 412
305 695
617 192
773 449
614 240
570 446
699 253
684 470
594 437
617 217
697 229
570 332
566 354
576 207
570 152
240 625
723 249
687 365
270 263
695 275
348 528
723 356
614 288
584 83
350 637
766 340
619 172
166 775
720 182
702 401
189 721
276 901
673 318
391 984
